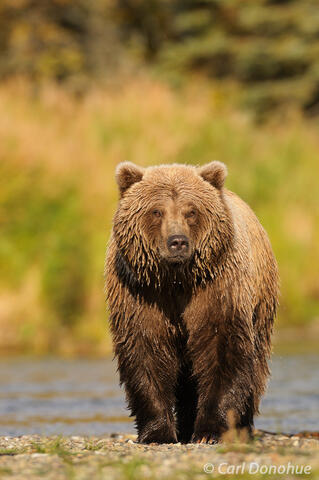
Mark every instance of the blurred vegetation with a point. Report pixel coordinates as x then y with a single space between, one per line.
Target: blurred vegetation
58 195
85 85
64 40
47 229
269 48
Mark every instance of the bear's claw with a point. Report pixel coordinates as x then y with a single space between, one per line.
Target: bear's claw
208 439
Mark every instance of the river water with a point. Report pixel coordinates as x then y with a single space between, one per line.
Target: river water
82 397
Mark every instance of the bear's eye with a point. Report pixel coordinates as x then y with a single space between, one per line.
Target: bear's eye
157 213
191 214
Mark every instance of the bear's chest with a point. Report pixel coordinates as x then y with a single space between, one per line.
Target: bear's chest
173 303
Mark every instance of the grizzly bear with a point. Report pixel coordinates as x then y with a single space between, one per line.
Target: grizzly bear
192 288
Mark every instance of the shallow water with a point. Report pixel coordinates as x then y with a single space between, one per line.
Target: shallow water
82 397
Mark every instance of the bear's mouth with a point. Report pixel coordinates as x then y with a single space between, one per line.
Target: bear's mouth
177 259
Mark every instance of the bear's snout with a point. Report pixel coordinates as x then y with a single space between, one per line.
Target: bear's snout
178 245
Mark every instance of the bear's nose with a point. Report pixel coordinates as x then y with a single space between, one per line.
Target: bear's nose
177 244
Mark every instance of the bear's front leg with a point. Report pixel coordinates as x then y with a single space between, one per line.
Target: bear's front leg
149 382
148 368
223 365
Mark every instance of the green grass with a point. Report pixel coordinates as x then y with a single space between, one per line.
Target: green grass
54 447
11 451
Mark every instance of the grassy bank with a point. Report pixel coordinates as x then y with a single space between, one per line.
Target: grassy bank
57 159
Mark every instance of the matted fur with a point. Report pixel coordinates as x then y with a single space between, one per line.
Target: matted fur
192 338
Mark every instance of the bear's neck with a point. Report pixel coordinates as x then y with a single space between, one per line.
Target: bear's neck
164 277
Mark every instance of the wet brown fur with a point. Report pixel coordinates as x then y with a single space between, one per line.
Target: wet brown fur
192 339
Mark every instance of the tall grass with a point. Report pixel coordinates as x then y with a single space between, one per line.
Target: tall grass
58 195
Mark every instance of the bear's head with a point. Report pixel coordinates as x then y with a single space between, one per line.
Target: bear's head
172 218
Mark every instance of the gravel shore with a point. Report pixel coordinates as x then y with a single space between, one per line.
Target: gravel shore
120 457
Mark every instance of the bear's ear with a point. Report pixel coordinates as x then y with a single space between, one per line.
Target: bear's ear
126 174
214 173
